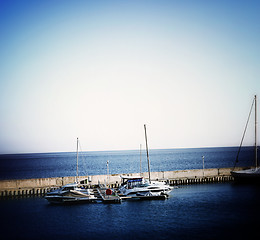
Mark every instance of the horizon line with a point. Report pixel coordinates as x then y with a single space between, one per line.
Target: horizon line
117 150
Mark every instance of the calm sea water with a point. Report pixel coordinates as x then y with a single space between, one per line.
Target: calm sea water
42 165
205 211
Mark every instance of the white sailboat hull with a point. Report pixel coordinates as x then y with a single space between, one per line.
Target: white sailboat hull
247 175
71 196
57 199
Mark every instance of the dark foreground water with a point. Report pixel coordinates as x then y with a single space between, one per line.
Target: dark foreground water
43 165
206 211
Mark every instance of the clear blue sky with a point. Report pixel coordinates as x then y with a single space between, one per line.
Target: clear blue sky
99 70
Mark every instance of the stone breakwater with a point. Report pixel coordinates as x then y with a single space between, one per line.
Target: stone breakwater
40 186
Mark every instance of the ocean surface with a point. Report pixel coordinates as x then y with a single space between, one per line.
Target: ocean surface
43 165
197 212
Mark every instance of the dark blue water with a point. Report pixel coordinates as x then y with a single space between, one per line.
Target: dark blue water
206 211
42 165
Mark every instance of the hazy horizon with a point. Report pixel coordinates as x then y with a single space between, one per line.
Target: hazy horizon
123 150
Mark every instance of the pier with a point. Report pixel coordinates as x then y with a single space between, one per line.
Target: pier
107 195
40 186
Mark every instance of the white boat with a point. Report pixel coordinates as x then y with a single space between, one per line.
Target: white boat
253 174
136 186
71 193
247 175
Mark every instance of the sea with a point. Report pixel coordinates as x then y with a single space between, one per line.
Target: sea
60 164
202 211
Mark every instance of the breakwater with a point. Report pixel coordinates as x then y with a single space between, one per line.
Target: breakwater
40 186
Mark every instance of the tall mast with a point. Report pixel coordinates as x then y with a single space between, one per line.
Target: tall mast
255 131
140 160
77 160
147 154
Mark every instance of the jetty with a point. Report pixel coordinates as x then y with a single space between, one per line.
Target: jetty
41 186
107 195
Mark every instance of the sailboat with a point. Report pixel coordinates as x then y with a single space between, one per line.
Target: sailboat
138 186
71 193
252 174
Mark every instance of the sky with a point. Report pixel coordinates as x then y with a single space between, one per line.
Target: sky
100 70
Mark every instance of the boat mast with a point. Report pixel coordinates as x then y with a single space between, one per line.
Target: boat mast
255 131
253 102
140 160
77 160
147 154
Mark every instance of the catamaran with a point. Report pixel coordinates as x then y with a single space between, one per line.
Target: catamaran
71 193
138 186
252 174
